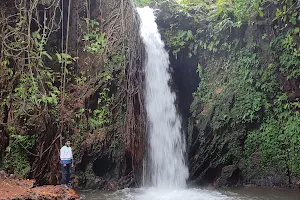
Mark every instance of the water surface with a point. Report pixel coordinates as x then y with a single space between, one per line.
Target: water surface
194 194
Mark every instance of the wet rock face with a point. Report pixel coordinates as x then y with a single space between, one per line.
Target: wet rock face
230 176
95 182
168 13
183 68
215 148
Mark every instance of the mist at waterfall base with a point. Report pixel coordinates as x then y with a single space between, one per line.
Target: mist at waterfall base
166 171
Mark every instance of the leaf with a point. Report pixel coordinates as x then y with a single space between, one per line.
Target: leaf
278 14
296 30
20 137
255 5
293 20
38 36
8 149
261 14
189 35
85 37
59 57
108 77
46 54
65 55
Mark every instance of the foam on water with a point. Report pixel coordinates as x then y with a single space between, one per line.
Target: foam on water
194 194
162 194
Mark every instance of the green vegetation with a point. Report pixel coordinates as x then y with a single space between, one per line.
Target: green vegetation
142 3
95 41
289 53
17 158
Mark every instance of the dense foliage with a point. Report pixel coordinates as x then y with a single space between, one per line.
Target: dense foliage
141 3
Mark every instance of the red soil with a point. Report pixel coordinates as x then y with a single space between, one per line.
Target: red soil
23 189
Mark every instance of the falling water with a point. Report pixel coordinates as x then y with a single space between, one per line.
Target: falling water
167 145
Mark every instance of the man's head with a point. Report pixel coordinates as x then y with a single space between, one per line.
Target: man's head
68 142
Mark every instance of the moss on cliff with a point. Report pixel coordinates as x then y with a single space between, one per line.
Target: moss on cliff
245 111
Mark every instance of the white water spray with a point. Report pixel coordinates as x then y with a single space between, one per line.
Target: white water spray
167 145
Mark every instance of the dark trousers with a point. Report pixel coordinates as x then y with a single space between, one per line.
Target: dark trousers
66 173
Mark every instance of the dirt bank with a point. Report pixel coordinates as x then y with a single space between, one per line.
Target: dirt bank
24 189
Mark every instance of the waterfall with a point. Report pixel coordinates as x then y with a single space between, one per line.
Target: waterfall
166 142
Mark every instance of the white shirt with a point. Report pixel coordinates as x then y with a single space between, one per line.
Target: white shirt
66 153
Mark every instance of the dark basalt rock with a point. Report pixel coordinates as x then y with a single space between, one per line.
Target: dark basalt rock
230 176
216 153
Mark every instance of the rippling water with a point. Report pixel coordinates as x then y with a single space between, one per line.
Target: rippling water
193 194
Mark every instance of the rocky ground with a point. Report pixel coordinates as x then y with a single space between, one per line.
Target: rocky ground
12 188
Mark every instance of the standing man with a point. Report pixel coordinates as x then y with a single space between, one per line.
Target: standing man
66 160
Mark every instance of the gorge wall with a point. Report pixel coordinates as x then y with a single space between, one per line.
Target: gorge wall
244 116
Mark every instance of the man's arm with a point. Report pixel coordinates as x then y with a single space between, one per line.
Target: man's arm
72 158
61 153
